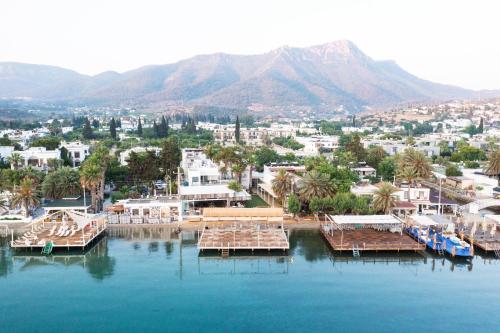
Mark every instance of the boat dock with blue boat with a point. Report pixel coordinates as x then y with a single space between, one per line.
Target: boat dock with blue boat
438 234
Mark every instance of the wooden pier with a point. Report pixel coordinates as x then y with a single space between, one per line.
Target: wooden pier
76 230
238 236
370 240
367 233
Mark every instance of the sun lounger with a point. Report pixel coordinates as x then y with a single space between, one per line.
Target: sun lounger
52 230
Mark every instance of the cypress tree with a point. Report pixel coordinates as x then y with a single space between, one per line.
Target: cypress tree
480 128
162 130
166 129
155 129
112 128
237 130
354 121
87 130
139 127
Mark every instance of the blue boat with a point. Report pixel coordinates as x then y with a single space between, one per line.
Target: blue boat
438 233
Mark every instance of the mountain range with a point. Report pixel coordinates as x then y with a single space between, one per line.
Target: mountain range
323 76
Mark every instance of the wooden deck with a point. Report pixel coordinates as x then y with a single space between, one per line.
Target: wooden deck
41 235
247 236
367 239
484 244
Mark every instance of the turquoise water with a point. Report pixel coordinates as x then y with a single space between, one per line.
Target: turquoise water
133 281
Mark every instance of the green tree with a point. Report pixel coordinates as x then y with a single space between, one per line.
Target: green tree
170 156
237 130
384 199
61 183
49 142
87 130
493 168
15 160
418 162
386 168
294 205
408 174
112 128
281 185
453 170
26 195
480 128
374 156
139 128
316 184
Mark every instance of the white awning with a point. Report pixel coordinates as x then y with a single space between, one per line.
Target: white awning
364 219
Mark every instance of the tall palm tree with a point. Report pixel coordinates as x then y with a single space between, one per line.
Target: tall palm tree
90 179
384 199
316 184
417 160
408 174
26 195
281 184
15 160
493 168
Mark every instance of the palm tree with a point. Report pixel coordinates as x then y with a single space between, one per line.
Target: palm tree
60 183
316 184
15 160
281 184
26 195
418 161
238 169
90 178
3 204
408 174
384 199
493 168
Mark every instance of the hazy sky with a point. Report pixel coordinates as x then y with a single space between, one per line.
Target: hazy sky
447 41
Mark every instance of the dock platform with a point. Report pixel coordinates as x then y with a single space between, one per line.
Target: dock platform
370 240
74 231
243 236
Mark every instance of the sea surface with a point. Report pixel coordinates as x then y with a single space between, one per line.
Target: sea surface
153 280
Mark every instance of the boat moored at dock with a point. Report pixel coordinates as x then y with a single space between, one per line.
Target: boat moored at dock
438 234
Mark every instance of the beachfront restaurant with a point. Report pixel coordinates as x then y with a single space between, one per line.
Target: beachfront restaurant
367 233
145 211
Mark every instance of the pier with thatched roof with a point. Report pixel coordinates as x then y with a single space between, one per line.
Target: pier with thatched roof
234 229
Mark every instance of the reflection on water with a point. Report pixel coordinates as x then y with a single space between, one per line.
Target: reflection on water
306 244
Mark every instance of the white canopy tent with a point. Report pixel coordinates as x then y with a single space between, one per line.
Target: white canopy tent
378 222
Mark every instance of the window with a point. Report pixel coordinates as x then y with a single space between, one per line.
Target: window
195 180
406 195
77 154
420 194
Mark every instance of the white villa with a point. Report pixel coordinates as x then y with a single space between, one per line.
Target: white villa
315 143
203 184
77 151
38 157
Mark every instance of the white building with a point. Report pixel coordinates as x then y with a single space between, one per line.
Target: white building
150 210
314 144
5 152
77 151
38 157
203 183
